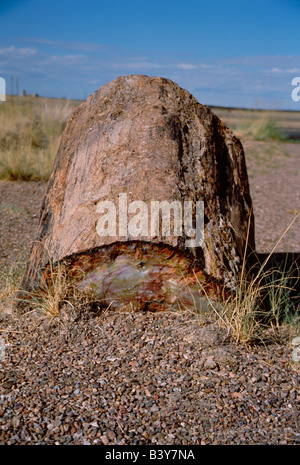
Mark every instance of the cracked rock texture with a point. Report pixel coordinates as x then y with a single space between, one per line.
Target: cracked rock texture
147 138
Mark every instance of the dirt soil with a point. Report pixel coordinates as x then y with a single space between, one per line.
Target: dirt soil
262 413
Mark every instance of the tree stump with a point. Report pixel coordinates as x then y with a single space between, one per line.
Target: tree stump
148 201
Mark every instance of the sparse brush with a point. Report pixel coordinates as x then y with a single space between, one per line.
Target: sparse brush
30 132
261 300
264 129
24 166
52 294
9 284
57 303
260 129
257 306
48 299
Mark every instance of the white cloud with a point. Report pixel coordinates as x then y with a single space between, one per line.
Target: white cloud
294 70
187 66
230 81
15 51
71 45
287 70
133 65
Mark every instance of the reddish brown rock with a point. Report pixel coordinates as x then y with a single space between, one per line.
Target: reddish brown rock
148 140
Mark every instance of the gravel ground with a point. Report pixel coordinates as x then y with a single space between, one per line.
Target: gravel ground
148 378
274 176
143 378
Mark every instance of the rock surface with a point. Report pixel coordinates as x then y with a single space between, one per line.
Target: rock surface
144 139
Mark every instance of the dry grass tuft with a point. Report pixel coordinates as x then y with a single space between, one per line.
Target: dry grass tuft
257 308
30 132
261 129
9 284
262 301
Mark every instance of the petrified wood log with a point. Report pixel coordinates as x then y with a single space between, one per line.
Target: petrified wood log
137 141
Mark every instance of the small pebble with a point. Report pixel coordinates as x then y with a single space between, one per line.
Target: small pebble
104 440
210 363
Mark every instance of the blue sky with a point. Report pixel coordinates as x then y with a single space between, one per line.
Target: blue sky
241 53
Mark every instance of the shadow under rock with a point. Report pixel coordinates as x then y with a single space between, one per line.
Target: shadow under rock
287 263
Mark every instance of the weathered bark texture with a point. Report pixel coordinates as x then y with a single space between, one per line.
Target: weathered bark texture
148 138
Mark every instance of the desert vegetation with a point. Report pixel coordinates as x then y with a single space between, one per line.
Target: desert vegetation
262 125
263 303
30 131
221 372
31 128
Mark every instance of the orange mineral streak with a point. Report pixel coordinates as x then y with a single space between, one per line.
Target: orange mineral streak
147 276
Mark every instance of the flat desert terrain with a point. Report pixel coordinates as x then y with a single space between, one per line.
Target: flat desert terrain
138 378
